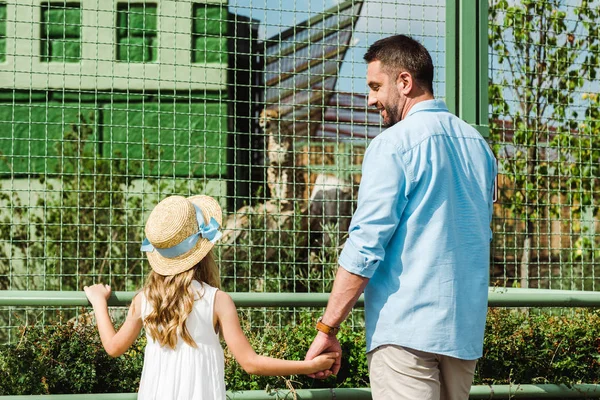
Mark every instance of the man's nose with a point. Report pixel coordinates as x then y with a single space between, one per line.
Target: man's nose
371 100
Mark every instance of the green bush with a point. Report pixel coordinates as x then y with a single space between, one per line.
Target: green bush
66 358
540 347
519 347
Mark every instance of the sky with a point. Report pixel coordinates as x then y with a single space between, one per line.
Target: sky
422 19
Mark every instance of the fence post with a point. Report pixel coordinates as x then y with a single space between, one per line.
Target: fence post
466 58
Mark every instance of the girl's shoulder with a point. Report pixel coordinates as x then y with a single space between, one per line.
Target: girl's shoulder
203 289
224 303
139 304
135 309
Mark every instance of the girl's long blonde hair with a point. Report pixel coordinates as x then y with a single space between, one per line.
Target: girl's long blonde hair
172 300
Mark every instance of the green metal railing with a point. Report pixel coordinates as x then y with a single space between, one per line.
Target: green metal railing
498 297
477 393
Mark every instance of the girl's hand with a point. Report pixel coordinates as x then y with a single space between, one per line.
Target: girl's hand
97 294
325 344
324 361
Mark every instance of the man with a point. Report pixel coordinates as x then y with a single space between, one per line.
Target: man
419 240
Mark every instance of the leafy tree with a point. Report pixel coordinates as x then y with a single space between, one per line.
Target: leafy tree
545 54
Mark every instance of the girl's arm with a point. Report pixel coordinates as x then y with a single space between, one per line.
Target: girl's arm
227 317
115 343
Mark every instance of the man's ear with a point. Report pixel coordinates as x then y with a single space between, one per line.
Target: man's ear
404 83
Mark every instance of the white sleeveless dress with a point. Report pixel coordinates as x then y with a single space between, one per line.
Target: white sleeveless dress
186 372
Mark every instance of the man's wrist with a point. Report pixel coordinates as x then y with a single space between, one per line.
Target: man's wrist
326 329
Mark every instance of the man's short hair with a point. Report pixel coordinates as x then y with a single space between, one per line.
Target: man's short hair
402 53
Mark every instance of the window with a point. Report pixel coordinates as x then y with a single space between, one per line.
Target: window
136 32
2 32
61 32
209 42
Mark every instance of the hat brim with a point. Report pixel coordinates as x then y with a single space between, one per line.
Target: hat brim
173 266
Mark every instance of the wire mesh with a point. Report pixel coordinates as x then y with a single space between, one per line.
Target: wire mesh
544 120
106 107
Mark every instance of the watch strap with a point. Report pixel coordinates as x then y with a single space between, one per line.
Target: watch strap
326 329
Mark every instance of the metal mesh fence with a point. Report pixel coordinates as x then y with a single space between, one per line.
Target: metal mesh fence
544 124
106 107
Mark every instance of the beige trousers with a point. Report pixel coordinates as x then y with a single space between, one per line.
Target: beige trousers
399 373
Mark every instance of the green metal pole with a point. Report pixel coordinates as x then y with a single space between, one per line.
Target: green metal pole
452 56
282 299
58 298
517 297
482 69
467 61
535 392
316 394
480 392
498 297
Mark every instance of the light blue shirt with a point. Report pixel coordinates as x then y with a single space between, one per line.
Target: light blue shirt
421 233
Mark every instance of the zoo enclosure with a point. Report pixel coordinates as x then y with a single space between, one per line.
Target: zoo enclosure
108 106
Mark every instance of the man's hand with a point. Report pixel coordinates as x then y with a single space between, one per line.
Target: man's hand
324 343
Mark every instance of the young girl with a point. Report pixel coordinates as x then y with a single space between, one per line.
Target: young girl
183 310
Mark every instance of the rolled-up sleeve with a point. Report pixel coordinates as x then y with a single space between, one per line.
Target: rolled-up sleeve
382 196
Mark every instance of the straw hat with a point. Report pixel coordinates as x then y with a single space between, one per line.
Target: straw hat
177 238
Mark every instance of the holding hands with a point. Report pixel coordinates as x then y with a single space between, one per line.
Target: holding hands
323 362
325 345
323 357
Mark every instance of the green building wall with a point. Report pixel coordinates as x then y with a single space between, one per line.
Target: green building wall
187 130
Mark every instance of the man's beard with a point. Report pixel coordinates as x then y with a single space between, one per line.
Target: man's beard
392 110
392 117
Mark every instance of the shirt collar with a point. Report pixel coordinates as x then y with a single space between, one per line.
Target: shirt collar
428 105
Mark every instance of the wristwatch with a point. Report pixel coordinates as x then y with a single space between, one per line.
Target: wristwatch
326 329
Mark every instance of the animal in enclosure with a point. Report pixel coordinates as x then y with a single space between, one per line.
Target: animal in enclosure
330 210
285 178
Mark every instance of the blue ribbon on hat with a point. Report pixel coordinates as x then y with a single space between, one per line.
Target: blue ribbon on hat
208 231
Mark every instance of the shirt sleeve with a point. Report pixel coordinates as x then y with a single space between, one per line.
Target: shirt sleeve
382 197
